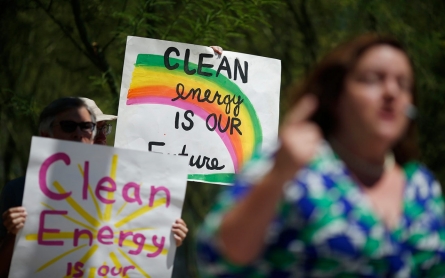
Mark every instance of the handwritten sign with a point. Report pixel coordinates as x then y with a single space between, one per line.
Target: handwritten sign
97 211
186 100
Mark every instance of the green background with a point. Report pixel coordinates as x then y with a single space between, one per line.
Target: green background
50 49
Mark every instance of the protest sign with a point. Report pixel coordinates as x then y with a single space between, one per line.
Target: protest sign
186 100
97 211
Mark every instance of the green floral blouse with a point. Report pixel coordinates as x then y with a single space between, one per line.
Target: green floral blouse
326 227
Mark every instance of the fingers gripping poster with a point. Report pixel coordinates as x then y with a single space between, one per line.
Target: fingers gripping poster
186 100
96 211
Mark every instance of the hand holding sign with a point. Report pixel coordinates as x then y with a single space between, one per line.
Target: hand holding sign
299 137
97 211
14 219
180 231
217 49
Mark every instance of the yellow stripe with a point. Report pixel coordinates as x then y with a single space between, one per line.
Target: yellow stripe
134 264
59 257
123 206
110 195
92 273
140 212
147 247
86 257
77 207
120 210
140 229
90 190
62 235
117 264
72 219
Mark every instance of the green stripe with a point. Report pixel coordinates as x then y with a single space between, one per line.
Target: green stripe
223 178
151 60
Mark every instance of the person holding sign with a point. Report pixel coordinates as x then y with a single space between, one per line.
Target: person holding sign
342 195
179 228
66 119
103 127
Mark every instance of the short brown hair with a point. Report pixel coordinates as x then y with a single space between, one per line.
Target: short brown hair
60 105
327 81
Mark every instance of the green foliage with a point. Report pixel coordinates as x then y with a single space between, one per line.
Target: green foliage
202 22
54 48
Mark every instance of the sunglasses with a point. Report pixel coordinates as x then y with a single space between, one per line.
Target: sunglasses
71 126
106 129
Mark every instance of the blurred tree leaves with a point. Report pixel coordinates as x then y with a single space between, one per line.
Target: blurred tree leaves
54 48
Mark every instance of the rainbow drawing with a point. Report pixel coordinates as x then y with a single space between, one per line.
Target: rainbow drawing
152 83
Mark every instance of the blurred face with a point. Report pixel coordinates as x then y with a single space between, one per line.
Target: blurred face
376 96
101 136
73 125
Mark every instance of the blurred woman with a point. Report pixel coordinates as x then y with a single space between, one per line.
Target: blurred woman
342 196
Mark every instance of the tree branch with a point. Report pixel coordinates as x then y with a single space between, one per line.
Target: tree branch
117 28
307 29
62 27
95 53
81 29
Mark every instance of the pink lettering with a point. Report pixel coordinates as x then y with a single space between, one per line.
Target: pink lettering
154 190
100 187
69 268
105 233
43 230
114 272
86 173
123 236
136 189
139 240
42 176
78 268
78 233
159 245
127 268
103 270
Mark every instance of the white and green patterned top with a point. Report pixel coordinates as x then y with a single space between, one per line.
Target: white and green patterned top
326 227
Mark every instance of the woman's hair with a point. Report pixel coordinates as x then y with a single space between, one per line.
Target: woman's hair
327 81
49 113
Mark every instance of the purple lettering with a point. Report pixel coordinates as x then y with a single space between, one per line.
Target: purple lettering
86 171
42 176
103 270
156 244
154 190
136 190
100 187
105 233
78 233
139 240
43 230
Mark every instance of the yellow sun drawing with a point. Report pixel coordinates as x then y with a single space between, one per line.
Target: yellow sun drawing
93 224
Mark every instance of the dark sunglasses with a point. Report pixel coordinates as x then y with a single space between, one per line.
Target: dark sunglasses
106 129
71 126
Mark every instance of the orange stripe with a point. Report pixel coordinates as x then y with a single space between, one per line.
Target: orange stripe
164 91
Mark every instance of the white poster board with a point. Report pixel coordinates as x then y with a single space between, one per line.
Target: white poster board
186 100
96 211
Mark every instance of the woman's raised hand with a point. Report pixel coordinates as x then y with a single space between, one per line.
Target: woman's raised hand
299 137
